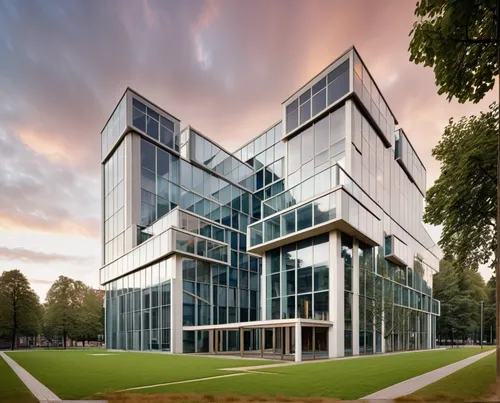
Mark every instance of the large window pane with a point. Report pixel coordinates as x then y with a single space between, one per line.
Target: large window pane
288 279
273 261
304 280
304 306
148 153
322 210
139 119
338 88
307 137
319 102
320 278
305 112
294 158
288 223
321 306
289 257
304 217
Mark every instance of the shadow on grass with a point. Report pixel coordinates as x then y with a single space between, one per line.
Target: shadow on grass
207 398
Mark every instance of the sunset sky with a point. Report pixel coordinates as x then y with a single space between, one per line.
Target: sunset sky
222 66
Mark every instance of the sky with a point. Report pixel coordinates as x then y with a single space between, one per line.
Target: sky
224 67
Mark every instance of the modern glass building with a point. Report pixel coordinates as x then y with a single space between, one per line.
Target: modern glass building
306 242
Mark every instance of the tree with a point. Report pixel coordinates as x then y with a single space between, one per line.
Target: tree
90 320
458 40
388 318
463 198
384 315
460 292
63 306
20 312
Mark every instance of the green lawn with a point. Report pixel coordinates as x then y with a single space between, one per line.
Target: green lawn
343 379
471 382
11 387
76 374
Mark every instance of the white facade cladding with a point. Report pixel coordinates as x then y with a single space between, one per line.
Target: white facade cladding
307 241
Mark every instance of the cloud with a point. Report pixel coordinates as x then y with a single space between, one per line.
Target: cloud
40 195
30 256
222 66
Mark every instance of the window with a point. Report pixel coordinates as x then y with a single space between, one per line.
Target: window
304 217
294 161
292 116
288 223
148 155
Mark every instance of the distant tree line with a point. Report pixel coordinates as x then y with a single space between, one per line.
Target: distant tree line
71 310
461 292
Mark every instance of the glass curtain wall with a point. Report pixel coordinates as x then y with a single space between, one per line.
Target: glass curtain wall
297 280
398 294
316 148
114 210
138 309
216 294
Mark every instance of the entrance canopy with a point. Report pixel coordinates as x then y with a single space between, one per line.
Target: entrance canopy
288 338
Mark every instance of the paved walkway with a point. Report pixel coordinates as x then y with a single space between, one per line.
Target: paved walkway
38 389
412 385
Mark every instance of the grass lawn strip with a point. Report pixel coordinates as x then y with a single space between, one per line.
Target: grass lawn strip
471 382
77 374
342 379
12 389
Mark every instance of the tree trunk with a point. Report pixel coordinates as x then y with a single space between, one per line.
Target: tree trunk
497 254
14 330
64 339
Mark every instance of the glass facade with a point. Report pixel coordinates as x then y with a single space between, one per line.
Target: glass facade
114 128
324 92
330 198
138 309
114 206
297 280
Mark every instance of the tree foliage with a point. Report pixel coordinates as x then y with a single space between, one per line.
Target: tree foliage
73 310
20 310
63 306
89 322
463 198
456 39
460 292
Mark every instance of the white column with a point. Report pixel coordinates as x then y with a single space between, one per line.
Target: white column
336 301
355 298
298 341
176 310
429 333
263 289
210 341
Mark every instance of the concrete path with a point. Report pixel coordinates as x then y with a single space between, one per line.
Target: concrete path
412 385
38 389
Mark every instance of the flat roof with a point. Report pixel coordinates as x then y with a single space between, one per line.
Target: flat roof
262 324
